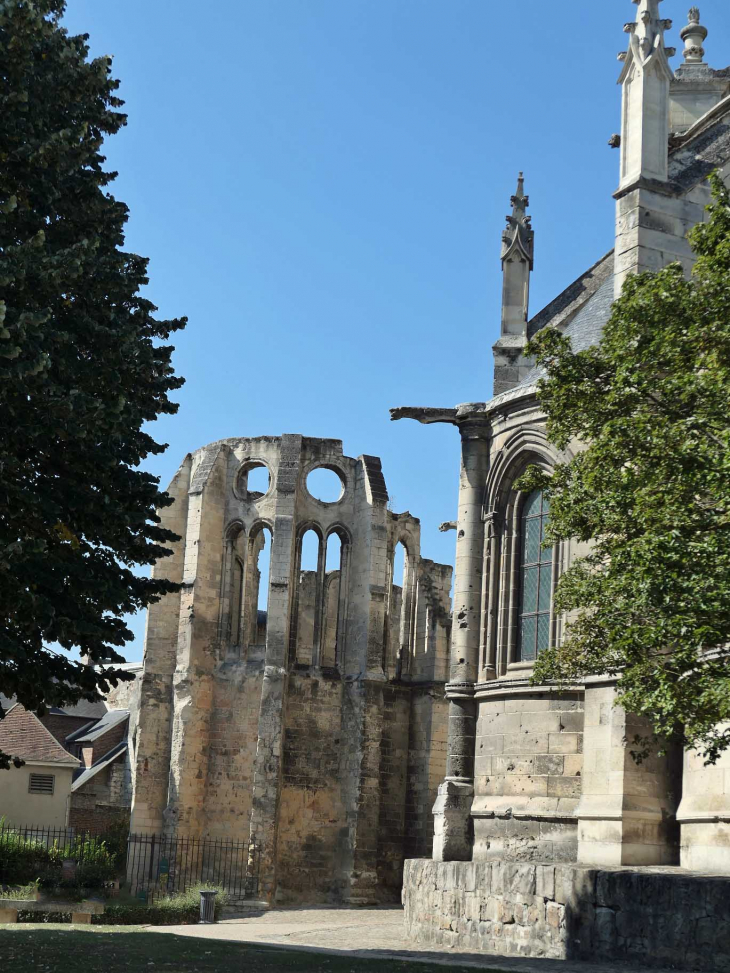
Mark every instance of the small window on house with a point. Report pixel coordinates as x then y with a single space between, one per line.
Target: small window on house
41 783
536 579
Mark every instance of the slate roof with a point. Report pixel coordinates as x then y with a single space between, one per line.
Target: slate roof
107 722
23 735
563 308
587 326
86 775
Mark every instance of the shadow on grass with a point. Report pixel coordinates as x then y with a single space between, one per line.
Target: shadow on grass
66 949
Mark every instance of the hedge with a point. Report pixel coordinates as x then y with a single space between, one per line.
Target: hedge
182 909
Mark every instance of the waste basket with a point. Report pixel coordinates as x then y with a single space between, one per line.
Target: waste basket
207 905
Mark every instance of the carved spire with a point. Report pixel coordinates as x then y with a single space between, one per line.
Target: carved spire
647 33
693 35
518 251
645 77
519 235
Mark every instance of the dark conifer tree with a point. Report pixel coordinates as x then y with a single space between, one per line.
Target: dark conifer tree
83 367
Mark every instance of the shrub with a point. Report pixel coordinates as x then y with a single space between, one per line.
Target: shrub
179 909
170 910
19 892
24 860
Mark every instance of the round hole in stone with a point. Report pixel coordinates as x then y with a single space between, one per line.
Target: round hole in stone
325 485
254 481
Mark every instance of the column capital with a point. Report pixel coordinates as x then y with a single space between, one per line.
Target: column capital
460 690
475 427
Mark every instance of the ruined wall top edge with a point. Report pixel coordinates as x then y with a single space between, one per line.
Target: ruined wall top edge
333 446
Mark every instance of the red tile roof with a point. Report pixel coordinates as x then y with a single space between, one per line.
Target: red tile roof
23 735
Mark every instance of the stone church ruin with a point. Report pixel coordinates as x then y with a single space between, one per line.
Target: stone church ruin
315 726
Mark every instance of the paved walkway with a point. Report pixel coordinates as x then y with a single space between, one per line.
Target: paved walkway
369 934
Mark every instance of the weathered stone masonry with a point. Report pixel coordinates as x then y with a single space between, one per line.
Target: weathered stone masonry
649 917
318 727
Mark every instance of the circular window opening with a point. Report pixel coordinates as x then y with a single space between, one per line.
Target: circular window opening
254 482
325 485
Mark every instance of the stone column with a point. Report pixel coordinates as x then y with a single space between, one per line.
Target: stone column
704 814
267 766
452 810
154 732
197 646
627 811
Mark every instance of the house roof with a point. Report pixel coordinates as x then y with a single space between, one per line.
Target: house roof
23 735
86 775
84 709
87 734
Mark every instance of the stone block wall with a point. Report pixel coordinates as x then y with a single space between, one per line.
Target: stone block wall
528 767
653 917
427 746
103 801
232 749
310 840
393 786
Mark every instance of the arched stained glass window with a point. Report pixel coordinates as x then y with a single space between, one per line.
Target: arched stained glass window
536 579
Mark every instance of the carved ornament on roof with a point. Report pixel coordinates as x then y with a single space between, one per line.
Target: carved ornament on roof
646 38
518 236
693 35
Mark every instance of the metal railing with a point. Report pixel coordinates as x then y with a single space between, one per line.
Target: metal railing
165 864
149 865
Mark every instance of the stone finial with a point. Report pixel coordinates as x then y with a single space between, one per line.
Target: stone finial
647 31
693 35
518 234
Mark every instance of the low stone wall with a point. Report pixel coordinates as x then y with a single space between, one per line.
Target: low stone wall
650 916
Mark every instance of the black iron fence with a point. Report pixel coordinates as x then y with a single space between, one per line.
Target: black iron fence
146 865
165 864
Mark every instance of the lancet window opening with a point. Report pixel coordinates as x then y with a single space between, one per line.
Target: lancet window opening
401 609
334 601
232 588
536 579
256 585
305 629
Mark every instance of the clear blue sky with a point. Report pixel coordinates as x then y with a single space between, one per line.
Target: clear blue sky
321 187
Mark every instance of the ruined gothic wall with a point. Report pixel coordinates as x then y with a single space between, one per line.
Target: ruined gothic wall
311 812
232 749
293 726
394 716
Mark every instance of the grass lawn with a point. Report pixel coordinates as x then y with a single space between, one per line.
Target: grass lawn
106 949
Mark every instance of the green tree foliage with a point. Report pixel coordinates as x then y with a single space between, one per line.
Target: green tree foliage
81 371
649 487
